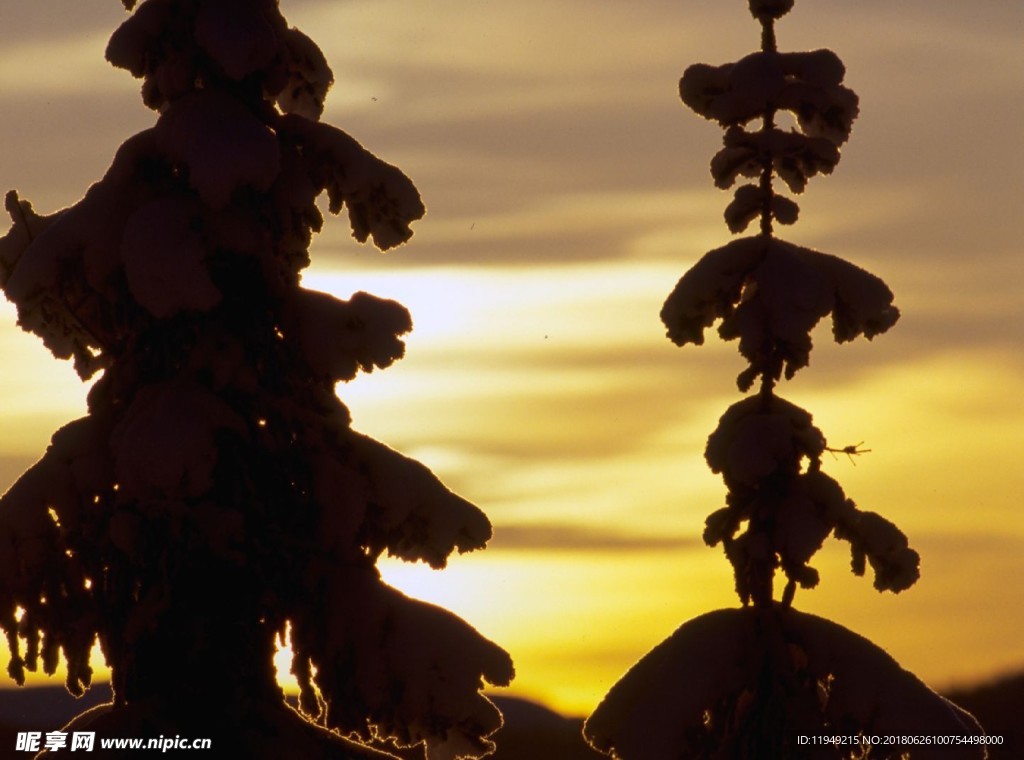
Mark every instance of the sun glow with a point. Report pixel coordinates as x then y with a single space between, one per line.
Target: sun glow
567 193
523 417
573 621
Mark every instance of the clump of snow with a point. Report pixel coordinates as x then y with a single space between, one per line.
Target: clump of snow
815 95
746 683
650 712
769 454
809 85
752 201
863 302
413 515
338 338
381 200
733 93
872 537
393 669
801 526
294 197
770 294
221 145
756 440
164 258
136 44
709 290
27 226
37 253
238 35
305 76
178 48
795 157
27 533
40 516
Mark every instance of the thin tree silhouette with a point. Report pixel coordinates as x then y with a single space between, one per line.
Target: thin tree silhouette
215 498
767 681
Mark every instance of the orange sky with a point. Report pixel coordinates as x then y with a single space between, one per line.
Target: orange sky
568 189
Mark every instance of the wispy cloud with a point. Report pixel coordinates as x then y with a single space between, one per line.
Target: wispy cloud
565 537
568 190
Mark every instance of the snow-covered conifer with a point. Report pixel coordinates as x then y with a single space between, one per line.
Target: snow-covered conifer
216 497
746 683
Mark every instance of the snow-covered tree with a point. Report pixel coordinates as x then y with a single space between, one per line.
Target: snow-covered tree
747 682
215 498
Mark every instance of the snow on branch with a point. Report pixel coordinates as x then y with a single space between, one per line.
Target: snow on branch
339 338
770 294
382 202
177 48
807 84
221 145
730 679
413 515
392 669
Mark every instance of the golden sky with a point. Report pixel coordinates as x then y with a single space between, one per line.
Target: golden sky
567 190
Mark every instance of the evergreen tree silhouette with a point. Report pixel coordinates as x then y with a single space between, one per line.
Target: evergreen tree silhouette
749 682
216 497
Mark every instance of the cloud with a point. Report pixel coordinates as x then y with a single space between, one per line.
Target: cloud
568 189
56 23
57 67
969 547
566 537
558 229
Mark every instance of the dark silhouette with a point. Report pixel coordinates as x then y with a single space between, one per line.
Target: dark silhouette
530 731
215 498
767 681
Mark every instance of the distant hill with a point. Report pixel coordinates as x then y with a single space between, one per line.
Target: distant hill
999 707
531 731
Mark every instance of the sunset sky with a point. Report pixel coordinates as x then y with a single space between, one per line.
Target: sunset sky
567 190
